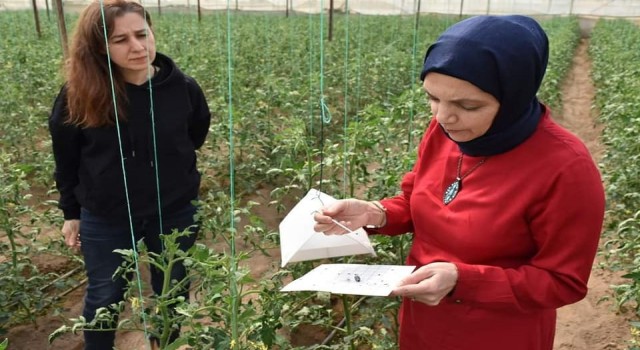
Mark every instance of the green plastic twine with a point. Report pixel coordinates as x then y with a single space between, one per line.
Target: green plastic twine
232 243
325 115
359 62
155 164
413 75
346 101
268 55
309 103
124 172
346 302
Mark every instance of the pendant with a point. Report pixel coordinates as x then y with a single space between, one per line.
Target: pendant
451 191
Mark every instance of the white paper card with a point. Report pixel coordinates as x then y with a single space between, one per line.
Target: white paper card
299 242
358 279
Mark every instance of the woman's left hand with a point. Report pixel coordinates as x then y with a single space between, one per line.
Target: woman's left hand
429 283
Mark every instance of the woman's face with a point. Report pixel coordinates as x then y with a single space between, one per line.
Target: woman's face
462 109
129 45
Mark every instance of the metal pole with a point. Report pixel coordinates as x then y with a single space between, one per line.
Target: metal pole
571 8
330 20
417 23
199 12
62 28
461 7
488 7
159 8
36 18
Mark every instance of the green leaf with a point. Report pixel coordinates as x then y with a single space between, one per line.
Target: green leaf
633 275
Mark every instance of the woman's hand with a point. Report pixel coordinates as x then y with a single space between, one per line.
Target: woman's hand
351 213
71 232
429 284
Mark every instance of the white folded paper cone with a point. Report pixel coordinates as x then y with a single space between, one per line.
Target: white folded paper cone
299 242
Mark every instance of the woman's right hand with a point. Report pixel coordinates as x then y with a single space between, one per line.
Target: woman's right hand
352 213
71 232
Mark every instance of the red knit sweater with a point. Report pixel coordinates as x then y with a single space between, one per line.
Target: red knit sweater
523 232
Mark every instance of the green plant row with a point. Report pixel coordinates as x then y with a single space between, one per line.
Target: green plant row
616 63
564 36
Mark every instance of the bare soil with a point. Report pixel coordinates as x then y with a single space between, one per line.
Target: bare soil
590 324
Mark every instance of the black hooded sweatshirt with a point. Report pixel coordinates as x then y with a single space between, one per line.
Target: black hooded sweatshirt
89 170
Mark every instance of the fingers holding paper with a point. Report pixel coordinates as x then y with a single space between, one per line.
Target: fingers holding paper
429 284
346 214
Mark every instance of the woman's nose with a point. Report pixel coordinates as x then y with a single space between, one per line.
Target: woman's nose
137 45
445 115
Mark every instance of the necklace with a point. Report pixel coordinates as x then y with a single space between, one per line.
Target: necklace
452 190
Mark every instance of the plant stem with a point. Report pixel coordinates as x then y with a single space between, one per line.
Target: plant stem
346 305
14 251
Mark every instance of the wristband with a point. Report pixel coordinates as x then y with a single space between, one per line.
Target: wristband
383 210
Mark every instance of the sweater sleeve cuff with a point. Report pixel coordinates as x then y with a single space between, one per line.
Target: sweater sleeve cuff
71 213
395 220
464 291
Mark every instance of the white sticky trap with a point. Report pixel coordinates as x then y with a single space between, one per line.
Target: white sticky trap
299 242
357 279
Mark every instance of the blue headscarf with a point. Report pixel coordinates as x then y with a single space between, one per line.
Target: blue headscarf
505 56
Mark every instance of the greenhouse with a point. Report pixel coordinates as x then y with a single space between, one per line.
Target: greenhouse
320 174
600 8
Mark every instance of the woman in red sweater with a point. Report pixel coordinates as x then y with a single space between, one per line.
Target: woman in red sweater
505 206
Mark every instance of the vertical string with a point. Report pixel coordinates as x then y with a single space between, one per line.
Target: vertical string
310 99
324 109
309 103
124 171
232 243
358 53
346 101
268 56
155 165
359 63
413 75
346 302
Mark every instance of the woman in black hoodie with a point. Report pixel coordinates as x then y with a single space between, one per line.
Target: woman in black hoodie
125 128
